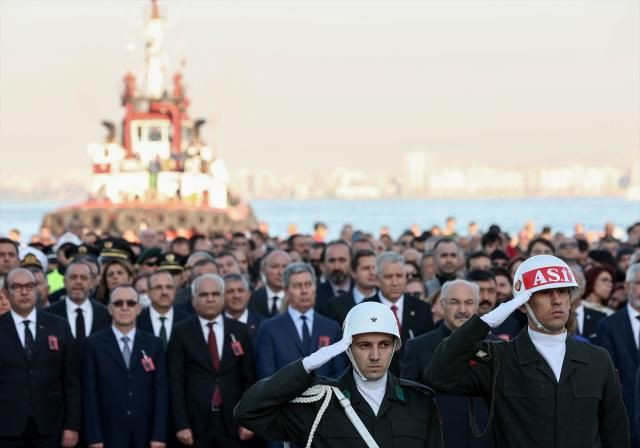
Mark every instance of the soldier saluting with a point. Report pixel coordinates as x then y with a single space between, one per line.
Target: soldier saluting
544 389
366 407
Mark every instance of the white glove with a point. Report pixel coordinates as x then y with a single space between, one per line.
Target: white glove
500 314
326 354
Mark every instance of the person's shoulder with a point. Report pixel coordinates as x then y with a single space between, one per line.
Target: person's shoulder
411 387
99 336
56 308
185 324
52 320
416 303
434 335
326 321
236 326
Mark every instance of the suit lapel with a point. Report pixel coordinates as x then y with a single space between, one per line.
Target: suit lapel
573 356
40 334
408 318
12 335
136 351
291 328
113 348
627 336
199 345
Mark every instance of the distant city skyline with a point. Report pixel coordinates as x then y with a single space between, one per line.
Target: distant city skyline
304 88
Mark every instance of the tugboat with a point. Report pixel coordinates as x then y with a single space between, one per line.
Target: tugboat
159 174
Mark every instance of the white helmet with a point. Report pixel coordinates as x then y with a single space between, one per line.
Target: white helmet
372 317
543 272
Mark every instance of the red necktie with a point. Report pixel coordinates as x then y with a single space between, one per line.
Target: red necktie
395 313
216 399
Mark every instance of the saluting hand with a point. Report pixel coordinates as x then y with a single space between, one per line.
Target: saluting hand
153 444
244 433
185 436
69 438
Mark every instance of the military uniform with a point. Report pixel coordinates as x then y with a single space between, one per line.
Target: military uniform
407 418
533 409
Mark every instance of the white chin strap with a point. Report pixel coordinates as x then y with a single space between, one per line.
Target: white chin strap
355 366
535 320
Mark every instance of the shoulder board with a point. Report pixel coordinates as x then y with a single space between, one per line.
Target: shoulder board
417 386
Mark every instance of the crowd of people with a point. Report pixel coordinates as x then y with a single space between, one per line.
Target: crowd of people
151 339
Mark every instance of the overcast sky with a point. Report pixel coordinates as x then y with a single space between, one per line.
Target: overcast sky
308 86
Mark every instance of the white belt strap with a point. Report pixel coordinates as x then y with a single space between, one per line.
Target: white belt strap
320 392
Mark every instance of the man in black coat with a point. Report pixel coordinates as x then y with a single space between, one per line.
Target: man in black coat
546 389
363 268
267 301
392 411
211 365
414 316
459 299
40 398
236 300
85 316
161 315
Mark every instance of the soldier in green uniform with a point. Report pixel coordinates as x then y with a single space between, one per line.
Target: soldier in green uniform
366 407
543 388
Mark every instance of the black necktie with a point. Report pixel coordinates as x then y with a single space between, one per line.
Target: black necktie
274 306
163 332
28 340
306 337
80 331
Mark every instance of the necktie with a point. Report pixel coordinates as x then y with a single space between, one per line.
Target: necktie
28 339
80 329
306 337
163 332
126 351
274 306
395 313
340 292
216 399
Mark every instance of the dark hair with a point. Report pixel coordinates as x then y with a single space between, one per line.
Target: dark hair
292 238
416 267
193 240
10 241
480 275
499 255
103 292
444 240
335 243
490 238
592 275
501 272
226 253
583 245
475 255
360 254
603 257
544 241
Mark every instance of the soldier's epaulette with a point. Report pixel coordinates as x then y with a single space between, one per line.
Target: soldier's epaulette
417 386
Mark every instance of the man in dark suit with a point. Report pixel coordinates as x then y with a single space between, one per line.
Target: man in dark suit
299 331
459 299
587 319
85 316
337 262
414 315
236 300
267 301
363 268
124 380
620 335
210 360
161 316
39 376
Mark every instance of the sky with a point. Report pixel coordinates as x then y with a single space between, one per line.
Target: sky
309 86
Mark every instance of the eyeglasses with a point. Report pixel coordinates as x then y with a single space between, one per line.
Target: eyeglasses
121 303
15 287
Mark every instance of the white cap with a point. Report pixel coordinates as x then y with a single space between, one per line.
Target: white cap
65 238
372 317
42 258
543 272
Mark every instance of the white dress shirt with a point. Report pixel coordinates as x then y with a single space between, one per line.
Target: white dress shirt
580 318
72 315
156 323
119 335
274 296
218 331
244 317
19 322
635 324
296 316
398 303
